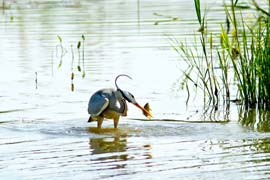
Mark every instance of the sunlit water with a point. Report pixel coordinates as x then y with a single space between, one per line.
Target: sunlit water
43 128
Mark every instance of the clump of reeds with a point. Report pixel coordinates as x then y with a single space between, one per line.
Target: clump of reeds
249 49
241 58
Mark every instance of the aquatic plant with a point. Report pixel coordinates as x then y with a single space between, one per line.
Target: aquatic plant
79 44
83 73
5 5
248 49
36 80
167 18
72 72
79 56
240 59
200 71
60 53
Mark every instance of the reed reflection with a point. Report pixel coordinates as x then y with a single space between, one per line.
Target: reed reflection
257 119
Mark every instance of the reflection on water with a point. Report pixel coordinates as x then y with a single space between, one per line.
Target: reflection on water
257 119
110 146
117 132
116 152
262 145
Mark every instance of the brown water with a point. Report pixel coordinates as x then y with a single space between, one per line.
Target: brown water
43 128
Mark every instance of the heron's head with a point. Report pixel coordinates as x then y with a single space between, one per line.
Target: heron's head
131 99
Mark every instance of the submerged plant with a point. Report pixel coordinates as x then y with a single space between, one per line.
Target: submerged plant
167 18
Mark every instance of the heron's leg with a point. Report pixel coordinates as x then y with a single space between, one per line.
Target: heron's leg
99 122
115 121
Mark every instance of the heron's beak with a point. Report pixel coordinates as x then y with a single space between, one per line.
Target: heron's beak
149 115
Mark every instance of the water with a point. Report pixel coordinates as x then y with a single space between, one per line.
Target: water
43 128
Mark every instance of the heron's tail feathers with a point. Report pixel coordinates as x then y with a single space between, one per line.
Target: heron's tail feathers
90 119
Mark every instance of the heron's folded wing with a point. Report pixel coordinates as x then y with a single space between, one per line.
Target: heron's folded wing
97 104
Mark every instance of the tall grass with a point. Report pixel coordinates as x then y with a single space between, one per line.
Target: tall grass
200 71
242 58
252 67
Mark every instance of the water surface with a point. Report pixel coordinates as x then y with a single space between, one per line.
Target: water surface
43 128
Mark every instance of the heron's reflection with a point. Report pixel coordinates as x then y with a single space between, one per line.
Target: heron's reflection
116 148
108 145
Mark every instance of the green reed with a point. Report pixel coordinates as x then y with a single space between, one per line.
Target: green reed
83 41
72 69
200 72
242 58
249 50
60 53
81 56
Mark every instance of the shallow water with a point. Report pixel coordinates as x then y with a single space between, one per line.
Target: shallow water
43 128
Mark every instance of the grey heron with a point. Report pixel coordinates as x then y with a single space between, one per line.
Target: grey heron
111 103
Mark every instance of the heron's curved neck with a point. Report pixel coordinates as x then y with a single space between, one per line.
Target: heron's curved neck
115 81
120 94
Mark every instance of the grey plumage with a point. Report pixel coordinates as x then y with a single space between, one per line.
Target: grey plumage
107 99
111 104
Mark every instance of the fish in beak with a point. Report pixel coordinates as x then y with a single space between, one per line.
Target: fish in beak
146 110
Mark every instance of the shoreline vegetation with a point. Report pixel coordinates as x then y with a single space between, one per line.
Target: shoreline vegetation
236 58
